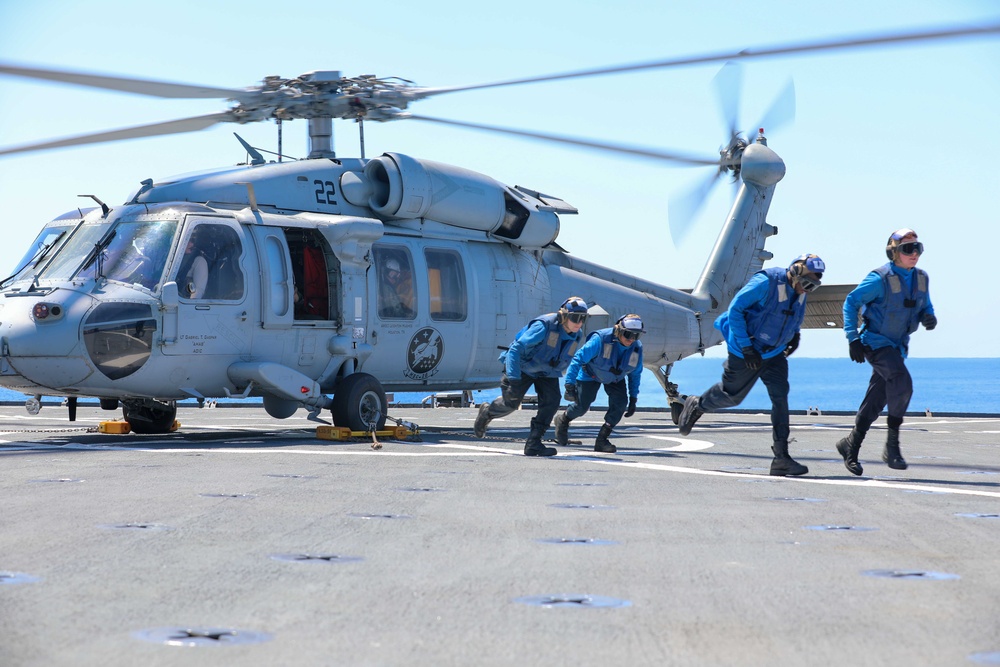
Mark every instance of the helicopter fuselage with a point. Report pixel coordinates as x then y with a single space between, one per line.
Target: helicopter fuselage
281 280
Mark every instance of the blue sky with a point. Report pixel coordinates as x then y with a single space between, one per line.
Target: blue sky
883 138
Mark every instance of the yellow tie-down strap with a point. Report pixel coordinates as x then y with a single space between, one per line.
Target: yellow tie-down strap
344 433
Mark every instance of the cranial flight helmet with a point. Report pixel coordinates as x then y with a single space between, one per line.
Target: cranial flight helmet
803 265
631 324
392 264
895 239
574 308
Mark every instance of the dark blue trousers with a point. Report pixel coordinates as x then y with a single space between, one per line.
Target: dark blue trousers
890 385
586 392
513 392
738 380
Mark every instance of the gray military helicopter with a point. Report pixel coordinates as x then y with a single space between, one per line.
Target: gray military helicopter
322 283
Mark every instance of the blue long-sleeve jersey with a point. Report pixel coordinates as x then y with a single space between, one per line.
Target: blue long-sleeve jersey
524 347
872 290
594 347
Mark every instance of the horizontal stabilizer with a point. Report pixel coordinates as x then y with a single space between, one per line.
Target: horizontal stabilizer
825 307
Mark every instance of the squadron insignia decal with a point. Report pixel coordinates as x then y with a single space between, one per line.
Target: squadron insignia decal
424 353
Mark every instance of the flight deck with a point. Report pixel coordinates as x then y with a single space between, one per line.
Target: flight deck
241 539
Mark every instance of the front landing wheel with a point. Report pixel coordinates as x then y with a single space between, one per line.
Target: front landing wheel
150 419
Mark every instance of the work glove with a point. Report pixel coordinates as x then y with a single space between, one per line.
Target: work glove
752 358
929 321
857 351
631 406
793 345
570 393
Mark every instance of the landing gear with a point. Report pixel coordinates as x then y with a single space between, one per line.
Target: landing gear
150 417
359 401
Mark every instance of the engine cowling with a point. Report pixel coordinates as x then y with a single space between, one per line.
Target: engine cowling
398 187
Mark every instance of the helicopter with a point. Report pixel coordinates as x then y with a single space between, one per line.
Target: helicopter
323 283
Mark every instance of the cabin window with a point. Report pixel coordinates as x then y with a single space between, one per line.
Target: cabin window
396 295
446 285
210 264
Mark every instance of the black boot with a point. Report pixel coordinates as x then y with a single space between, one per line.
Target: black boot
562 429
482 421
602 444
534 446
891 454
690 414
848 448
783 464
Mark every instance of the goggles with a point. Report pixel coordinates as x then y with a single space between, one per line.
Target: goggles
809 282
911 248
577 318
630 335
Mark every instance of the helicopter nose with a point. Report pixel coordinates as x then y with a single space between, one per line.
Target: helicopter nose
40 338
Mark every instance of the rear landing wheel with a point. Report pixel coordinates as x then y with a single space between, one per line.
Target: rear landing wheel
675 411
359 401
153 419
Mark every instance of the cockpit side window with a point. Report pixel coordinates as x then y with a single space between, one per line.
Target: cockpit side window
210 264
43 249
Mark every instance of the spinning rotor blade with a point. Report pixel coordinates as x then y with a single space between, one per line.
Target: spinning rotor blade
808 47
728 84
782 111
585 143
682 211
125 85
156 129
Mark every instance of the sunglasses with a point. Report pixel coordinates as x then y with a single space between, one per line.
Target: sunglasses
577 318
911 248
630 335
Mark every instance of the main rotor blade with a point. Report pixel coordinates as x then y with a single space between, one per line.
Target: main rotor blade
781 113
683 210
125 85
807 47
683 158
155 129
728 86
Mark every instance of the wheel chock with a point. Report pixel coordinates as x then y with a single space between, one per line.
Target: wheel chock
119 427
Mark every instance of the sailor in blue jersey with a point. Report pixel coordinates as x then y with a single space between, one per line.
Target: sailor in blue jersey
540 353
891 302
761 328
607 358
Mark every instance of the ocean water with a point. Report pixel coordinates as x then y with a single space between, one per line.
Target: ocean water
833 384
836 384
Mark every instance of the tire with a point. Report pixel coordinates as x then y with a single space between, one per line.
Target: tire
675 412
146 420
359 399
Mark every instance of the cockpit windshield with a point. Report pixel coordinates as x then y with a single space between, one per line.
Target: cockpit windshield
45 246
134 252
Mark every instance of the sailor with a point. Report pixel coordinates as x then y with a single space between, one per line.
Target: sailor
891 301
761 328
194 265
607 358
395 291
539 355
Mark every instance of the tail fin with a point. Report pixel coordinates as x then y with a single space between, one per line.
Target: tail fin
739 251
